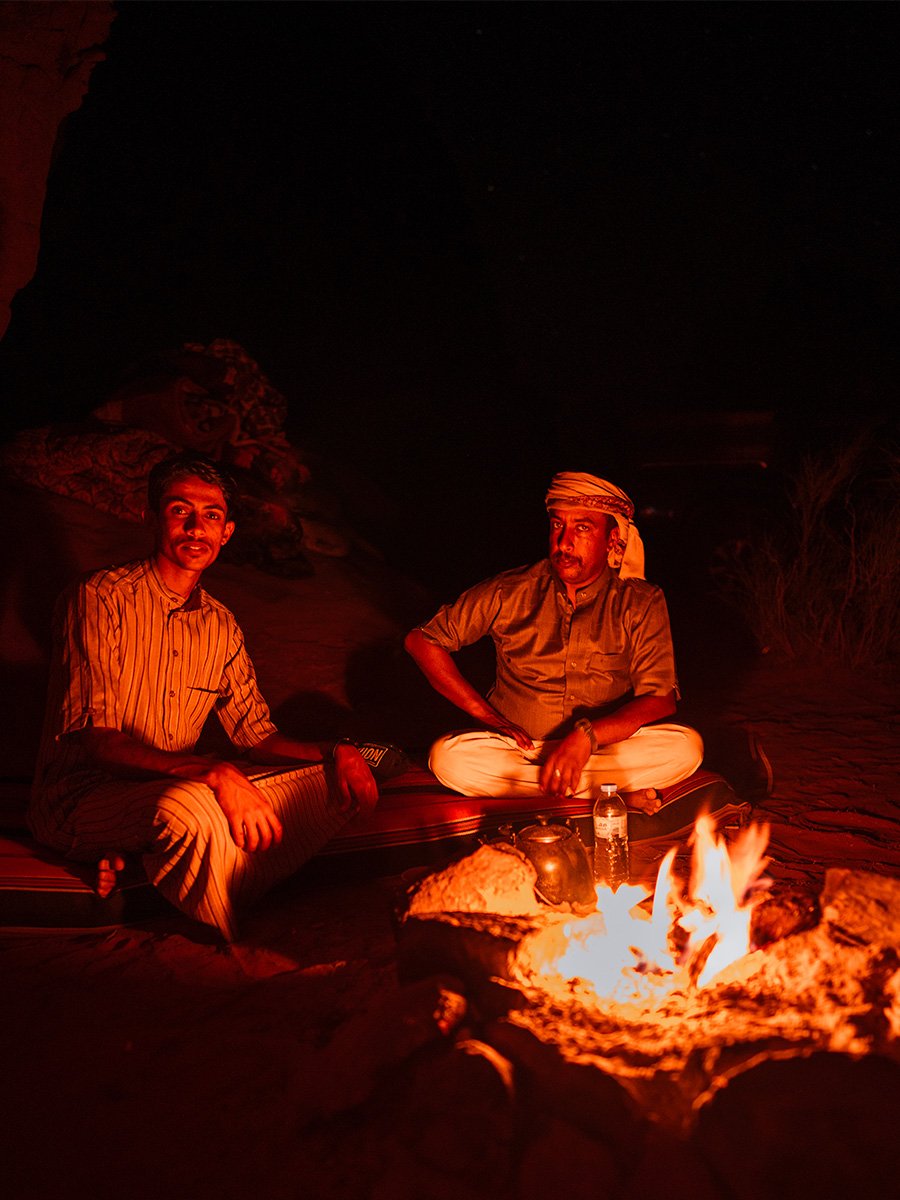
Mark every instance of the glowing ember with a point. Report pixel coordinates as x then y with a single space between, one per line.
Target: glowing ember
688 937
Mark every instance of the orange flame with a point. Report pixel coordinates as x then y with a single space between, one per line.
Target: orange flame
688 937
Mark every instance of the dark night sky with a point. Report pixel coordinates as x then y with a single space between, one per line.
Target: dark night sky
481 240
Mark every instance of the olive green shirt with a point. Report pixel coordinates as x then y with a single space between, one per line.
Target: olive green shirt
557 661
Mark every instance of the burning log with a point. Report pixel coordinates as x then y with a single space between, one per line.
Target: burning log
776 917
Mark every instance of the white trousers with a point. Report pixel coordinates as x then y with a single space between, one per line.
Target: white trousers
184 842
482 763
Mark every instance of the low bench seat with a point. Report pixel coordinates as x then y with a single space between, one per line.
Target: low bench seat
417 823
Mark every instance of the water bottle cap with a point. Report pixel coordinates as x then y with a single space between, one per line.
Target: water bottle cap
608 788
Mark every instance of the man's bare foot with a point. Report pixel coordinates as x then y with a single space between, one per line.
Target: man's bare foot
107 874
647 801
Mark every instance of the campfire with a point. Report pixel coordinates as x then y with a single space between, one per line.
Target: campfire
671 991
631 953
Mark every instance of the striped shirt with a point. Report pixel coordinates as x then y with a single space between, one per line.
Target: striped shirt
132 655
557 661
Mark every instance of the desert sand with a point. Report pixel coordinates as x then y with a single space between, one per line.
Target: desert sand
152 1061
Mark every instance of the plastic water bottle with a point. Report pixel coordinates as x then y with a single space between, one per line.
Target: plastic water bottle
611 865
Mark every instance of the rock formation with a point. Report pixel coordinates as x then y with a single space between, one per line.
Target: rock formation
48 53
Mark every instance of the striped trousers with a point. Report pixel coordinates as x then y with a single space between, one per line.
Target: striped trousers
182 837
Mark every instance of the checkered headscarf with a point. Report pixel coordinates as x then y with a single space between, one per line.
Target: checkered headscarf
626 551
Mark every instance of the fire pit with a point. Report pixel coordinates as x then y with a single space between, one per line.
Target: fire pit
650 1010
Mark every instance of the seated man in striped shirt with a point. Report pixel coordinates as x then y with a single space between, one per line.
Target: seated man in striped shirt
585 672
142 656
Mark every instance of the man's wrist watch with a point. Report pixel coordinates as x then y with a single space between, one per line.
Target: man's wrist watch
341 742
587 728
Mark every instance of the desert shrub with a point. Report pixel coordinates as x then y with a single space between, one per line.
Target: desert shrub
824 583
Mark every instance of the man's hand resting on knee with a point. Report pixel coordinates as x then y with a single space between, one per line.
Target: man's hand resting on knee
561 771
252 820
508 729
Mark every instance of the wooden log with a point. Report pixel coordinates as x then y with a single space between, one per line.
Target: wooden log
789 911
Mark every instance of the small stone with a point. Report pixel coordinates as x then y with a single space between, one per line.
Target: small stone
862 907
489 881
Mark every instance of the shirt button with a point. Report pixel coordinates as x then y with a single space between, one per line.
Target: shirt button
171 693
174 653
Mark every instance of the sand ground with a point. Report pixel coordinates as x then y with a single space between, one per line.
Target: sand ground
149 1061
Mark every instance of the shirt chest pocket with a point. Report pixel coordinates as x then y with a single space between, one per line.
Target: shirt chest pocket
201 677
611 664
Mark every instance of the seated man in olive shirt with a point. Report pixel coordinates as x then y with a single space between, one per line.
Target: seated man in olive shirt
585 672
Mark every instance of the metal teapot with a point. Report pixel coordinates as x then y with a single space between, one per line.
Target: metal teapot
564 875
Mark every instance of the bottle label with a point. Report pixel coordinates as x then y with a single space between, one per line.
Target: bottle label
611 827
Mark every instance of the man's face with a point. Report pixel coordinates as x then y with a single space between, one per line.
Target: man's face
192 524
579 544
